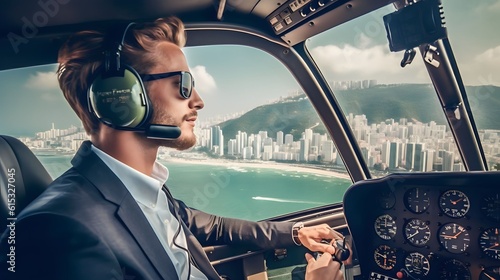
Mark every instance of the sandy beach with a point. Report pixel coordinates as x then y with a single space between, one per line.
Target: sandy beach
257 164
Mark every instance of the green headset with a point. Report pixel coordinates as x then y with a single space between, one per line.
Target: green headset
117 96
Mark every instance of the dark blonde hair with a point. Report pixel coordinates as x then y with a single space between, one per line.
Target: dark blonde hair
82 54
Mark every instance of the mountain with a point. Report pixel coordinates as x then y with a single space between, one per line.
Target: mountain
417 102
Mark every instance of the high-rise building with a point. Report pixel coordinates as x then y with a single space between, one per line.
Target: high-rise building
257 144
279 138
304 150
214 136
231 147
386 150
427 164
410 156
419 160
448 161
327 150
394 155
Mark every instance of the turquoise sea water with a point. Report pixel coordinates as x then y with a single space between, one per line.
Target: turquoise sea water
246 193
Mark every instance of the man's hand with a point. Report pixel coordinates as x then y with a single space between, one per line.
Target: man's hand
323 268
311 237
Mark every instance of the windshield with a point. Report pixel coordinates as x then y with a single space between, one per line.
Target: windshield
394 112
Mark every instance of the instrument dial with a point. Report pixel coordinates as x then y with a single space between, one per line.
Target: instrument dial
454 238
454 203
490 273
490 207
385 227
489 241
387 199
417 264
385 257
417 200
417 232
454 269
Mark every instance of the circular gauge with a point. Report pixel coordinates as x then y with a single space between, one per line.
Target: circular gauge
454 269
385 257
417 200
385 227
490 273
417 264
454 203
417 232
387 199
491 207
489 241
454 238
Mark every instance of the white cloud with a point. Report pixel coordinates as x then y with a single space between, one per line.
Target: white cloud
490 56
204 82
45 84
491 5
376 62
363 41
43 81
483 70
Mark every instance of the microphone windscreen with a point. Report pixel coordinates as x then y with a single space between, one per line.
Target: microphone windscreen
158 131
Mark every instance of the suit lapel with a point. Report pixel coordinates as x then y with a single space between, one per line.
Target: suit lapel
146 238
113 190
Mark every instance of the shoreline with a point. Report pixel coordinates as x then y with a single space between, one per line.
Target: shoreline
257 164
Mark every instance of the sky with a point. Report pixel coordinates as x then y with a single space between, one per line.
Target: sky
234 79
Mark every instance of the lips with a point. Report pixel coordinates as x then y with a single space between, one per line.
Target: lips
192 118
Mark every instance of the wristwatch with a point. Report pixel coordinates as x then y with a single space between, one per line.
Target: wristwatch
295 232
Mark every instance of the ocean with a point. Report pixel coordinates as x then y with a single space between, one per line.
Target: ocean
239 192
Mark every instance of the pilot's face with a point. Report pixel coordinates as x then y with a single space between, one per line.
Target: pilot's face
169 107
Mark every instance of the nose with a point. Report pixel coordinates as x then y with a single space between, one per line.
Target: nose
196 101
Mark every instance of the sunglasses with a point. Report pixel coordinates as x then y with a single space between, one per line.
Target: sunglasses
187 81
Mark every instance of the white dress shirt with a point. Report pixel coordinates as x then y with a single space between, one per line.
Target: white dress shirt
153 202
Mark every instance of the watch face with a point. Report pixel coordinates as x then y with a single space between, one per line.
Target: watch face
295 232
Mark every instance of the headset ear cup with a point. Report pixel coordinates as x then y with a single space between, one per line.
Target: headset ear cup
119 99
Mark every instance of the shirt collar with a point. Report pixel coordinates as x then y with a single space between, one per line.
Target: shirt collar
144 189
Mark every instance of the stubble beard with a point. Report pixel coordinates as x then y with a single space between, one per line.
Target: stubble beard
184 141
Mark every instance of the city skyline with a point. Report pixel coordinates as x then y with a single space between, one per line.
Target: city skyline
391 145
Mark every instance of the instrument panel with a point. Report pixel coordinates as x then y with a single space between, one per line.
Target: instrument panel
426 225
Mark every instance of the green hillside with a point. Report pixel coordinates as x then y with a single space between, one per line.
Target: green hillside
292 116
411 101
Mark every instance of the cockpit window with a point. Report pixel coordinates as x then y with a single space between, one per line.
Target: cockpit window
471 28
394 112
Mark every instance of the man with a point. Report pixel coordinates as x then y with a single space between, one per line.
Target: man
111 216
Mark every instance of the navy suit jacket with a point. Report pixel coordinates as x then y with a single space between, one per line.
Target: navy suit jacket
87 225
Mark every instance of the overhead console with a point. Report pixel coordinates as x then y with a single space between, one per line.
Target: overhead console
296 11
426 225
297 20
